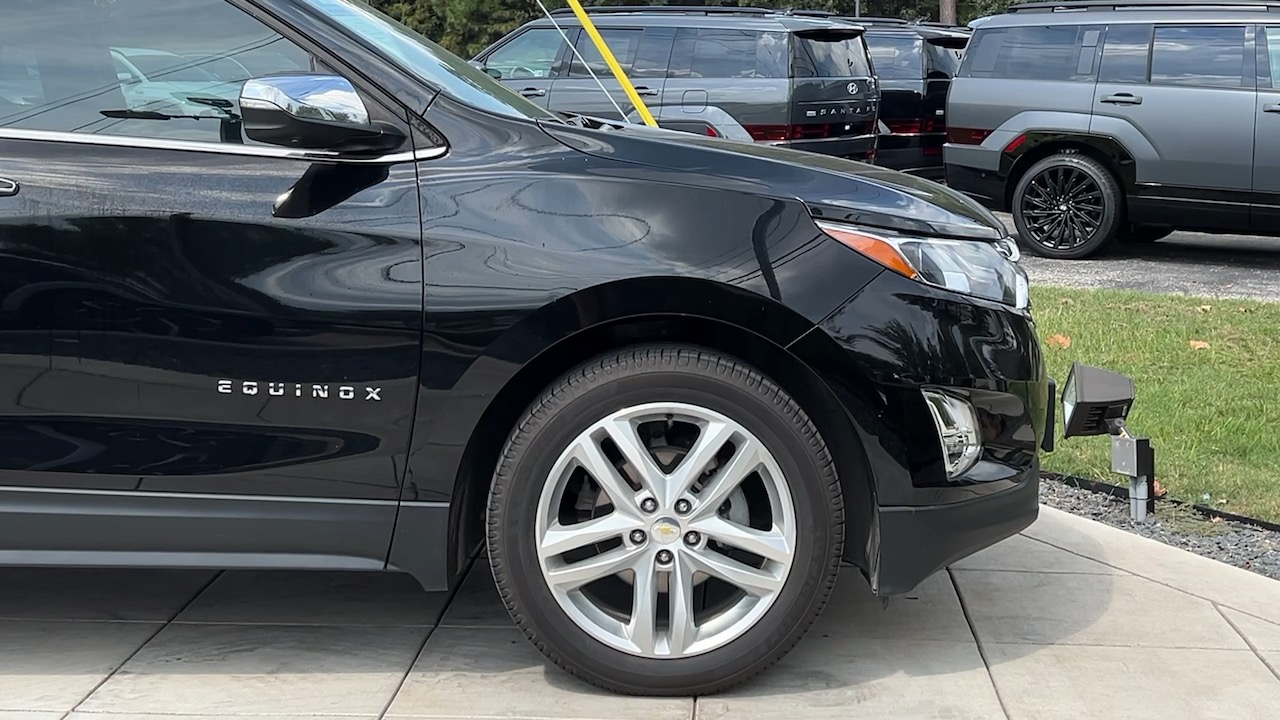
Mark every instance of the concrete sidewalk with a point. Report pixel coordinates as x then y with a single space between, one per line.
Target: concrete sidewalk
1071 620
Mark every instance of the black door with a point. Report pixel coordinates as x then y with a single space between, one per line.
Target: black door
197 328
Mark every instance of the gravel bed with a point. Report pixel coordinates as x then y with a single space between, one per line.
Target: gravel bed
1234 543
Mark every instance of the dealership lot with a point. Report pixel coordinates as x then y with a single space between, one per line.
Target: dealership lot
1185 262
1070 619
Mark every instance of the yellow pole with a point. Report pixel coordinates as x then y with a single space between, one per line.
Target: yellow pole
612 62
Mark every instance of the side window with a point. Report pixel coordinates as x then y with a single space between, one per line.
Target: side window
1269 57
1125 54
624 43
530 55
731 54
135 68
1205 56
1051 52
19 79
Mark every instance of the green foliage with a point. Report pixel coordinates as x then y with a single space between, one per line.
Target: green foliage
468 26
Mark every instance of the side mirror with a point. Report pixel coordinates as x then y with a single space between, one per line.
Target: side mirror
495 74
312 112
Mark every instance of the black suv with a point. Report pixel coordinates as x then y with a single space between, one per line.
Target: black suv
342 301
1100 120
913 63
747 74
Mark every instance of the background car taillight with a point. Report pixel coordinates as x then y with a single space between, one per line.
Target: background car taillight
966 136
911 126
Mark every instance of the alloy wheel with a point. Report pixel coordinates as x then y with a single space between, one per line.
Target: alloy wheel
665 530
1062 207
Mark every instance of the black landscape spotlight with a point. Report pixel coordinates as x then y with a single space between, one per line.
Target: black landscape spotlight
1097 402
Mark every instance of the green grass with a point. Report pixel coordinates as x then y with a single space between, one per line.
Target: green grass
1213 415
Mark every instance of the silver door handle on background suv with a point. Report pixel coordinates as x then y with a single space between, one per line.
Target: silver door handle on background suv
646 91
1122 99
1271 108
8 188
533 92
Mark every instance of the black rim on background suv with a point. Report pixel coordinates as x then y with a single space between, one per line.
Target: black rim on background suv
1067 206
1063 207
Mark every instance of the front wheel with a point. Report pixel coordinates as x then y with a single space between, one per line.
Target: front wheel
665 521
1067 206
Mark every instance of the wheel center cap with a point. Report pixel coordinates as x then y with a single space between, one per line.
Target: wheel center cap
1063 208
666 531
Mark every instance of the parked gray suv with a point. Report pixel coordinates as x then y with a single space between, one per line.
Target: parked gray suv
1093 121
801 82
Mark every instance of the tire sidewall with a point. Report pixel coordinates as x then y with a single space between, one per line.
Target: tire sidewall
528 468
1112 210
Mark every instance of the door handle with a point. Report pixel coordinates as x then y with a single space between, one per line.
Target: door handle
533 92
1271 108
8 188
646 91
1122 99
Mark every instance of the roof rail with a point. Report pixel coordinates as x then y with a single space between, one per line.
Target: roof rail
1085 5
809 13
671 9
863 20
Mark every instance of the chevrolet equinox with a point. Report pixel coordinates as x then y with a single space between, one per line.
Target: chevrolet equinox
312 292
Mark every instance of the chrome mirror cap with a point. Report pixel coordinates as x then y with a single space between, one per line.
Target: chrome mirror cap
328 98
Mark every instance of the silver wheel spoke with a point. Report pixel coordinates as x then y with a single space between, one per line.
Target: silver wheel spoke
710 441
680 597
768 544
560 539
746 459
572 576
607 476
753 581
623 433
642 629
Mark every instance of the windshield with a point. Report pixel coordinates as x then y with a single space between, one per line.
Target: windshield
429 62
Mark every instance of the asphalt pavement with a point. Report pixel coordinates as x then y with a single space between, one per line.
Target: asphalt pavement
1237 266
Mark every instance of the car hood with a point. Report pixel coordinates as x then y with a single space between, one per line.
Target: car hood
833 188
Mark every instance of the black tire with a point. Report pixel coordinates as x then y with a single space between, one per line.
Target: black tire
664 374
1143 234
1067 206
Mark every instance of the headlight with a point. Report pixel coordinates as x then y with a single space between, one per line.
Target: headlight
973 267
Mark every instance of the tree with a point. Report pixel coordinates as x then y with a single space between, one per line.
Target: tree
468 26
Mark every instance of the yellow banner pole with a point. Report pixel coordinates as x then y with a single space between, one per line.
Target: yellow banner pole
612 62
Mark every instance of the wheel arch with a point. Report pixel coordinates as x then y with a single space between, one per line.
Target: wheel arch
752 328
1113 155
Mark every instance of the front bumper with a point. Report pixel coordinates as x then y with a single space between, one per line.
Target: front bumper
916 542
876 353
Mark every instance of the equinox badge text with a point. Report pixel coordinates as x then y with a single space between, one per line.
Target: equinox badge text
280 389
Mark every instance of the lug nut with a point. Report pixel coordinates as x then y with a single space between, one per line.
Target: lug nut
649 505
637 536
664 557
683 506
692 538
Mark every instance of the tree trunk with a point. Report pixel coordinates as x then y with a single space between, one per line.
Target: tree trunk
947 11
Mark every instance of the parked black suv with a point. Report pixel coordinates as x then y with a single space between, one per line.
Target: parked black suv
747 74
1099 120
373 311
914 64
